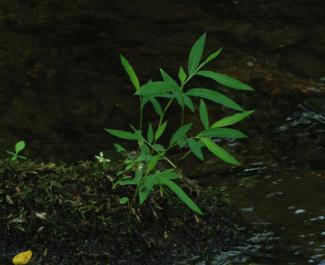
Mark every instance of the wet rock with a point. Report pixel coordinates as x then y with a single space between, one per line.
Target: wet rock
305 64
161 10
280 37
317 43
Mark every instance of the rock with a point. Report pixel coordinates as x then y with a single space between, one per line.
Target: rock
280 37
305 64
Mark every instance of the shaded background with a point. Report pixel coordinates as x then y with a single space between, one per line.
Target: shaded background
61 81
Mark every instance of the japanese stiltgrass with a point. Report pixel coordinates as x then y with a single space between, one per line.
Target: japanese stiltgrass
142 168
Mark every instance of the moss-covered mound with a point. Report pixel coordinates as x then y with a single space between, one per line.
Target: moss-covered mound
70 214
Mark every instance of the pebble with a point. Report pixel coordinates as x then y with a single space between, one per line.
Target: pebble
300 211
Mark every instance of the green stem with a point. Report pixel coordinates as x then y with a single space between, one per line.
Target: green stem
187 153
141 114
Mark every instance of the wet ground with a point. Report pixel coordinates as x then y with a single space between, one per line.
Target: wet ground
61 84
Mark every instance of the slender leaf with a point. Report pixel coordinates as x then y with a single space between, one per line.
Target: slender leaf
156 105
218 151
225 80
181 195
196 148
196 54
215 97
232 119
177 93
167 78
180 134
188 102
146 188
159 148
123 134
155 88
150 133
181 74
211 57
160 130
19 146
204 116
119 148
130 71
152 163
222 133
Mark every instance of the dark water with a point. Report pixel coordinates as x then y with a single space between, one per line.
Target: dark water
61 84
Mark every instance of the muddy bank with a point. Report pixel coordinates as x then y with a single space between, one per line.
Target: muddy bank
70 214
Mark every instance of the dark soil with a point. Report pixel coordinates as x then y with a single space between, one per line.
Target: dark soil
70 214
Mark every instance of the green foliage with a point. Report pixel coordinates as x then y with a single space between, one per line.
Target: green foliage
20 146
150 167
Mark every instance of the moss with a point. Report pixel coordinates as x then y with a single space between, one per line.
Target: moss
70 213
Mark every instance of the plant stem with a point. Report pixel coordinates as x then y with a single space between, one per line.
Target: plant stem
187 153
141 114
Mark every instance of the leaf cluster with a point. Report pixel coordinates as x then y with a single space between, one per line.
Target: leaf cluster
144 169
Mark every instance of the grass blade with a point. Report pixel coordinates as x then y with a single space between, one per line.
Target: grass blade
180 134
123 134
223 133
181 195
196 148
215 97
230 120
225 80
160 130
196 54
204 116
219 152
130 71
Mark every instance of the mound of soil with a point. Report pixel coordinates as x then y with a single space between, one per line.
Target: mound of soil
70 214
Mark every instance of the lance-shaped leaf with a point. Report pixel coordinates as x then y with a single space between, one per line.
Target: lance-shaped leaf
180 194
232 119
204 116
130 71
222 133
225 80
123 134
196 54
160 130
177 92
218 151
214 96
150 133
181 74
196 148
146 188
188 102
211 57
167 78
180 134
154 88
156 105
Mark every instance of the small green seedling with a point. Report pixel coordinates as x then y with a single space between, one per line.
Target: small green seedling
18 148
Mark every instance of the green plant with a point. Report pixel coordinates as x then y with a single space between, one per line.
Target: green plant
18 148
150 166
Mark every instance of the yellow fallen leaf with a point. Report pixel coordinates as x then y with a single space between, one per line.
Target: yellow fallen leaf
22 258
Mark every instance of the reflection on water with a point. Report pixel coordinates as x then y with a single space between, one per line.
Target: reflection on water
289 203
